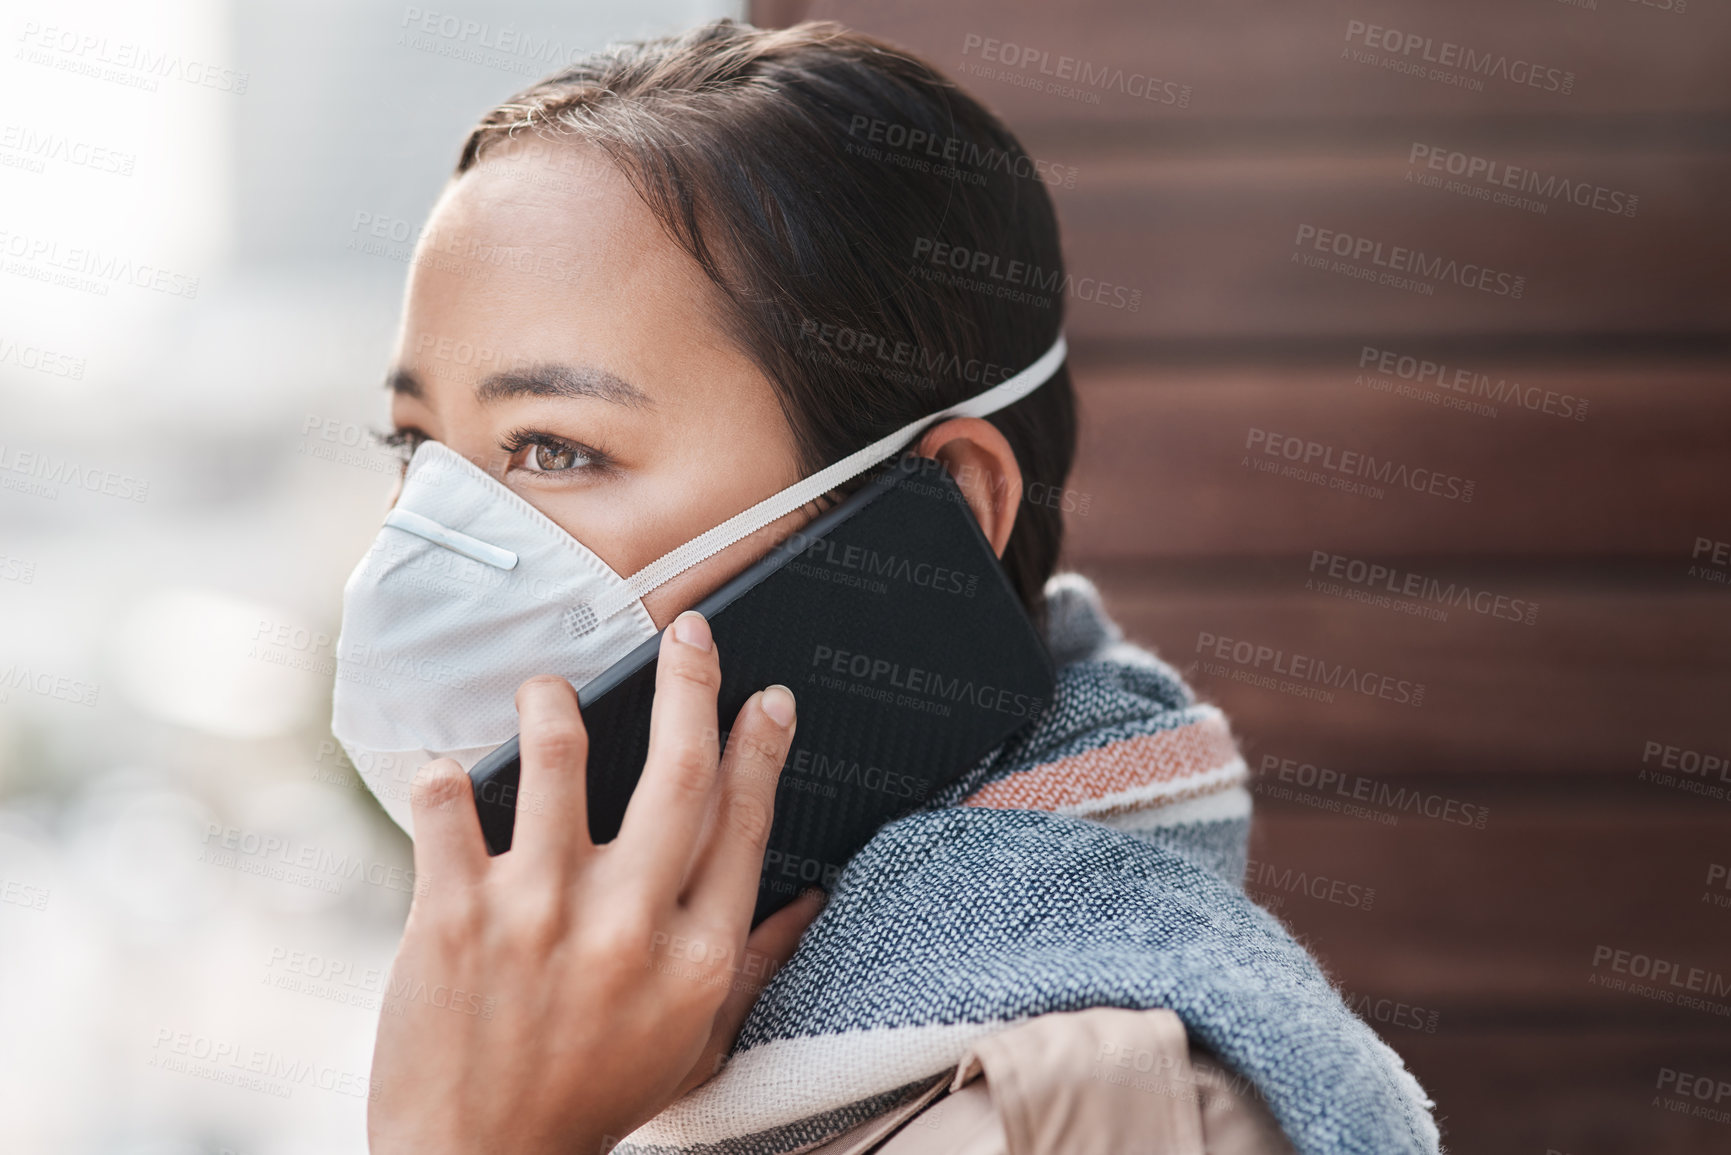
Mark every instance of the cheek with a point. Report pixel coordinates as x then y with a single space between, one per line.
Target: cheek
698 582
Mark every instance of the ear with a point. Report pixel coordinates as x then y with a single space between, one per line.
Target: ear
984 467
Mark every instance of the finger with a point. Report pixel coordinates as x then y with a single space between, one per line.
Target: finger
553 784
449 850
666 812
766 952
724 881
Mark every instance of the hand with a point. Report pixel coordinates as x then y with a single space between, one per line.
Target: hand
564 993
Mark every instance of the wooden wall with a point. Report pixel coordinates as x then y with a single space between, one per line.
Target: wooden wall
1477 958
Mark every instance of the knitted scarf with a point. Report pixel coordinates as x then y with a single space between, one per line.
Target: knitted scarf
1095 860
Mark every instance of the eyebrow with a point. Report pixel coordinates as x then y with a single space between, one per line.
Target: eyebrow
549 380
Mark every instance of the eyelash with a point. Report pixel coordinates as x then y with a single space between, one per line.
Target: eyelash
594 463
404 441
408 439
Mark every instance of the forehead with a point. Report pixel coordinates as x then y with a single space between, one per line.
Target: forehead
542 248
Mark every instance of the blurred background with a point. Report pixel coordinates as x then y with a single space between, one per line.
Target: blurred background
1481 244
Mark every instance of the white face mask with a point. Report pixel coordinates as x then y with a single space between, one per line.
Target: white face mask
469 591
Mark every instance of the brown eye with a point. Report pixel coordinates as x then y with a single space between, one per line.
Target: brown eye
536 452
554 458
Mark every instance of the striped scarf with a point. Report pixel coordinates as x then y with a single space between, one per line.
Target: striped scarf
1095 860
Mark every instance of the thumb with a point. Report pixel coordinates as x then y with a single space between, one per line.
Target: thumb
769 947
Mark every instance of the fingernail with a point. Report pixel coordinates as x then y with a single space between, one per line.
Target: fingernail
690 628
777 702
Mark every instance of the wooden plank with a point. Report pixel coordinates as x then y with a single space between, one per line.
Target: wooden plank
1170 460
1362 689
1569 1092
1247 59
1518 922
1340 245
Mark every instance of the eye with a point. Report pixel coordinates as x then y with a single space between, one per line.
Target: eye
403 441
537 452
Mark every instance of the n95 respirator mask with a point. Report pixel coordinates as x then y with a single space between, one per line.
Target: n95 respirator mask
469 591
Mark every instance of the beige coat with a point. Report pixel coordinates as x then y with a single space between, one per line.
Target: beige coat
1105 1081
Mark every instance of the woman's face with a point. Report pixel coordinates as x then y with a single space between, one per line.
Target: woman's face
558 338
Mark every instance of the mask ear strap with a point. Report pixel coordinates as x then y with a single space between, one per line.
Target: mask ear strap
779 505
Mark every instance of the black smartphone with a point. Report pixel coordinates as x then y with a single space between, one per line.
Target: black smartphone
907 650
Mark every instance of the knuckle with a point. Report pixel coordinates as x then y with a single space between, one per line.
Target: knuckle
690 766
557 742
621 939
747 816
540 918
455 916
701 672
763 754
439 785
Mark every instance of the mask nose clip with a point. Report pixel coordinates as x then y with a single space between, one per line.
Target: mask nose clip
472 548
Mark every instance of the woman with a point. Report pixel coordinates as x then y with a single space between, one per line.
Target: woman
663 287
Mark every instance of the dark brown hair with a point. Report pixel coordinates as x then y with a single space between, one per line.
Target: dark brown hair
879 239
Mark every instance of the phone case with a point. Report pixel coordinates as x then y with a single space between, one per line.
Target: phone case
906 648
